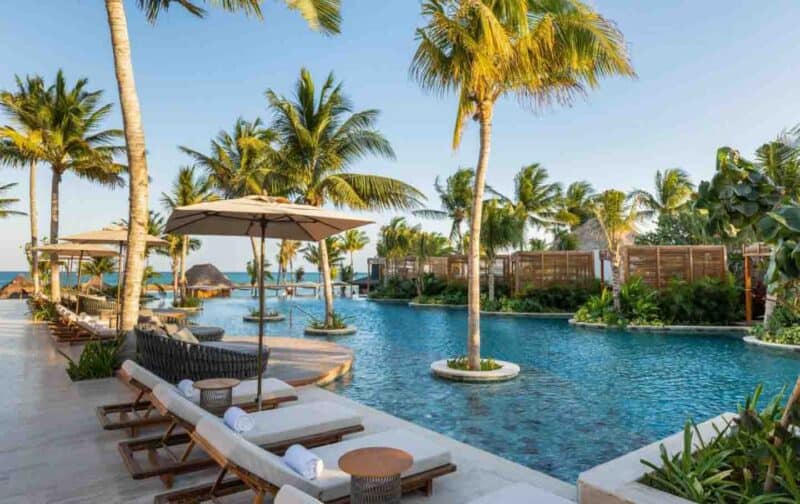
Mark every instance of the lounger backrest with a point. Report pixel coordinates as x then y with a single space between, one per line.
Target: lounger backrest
290 495
237 450
179 405
143 376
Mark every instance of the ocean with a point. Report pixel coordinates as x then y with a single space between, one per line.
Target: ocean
164 277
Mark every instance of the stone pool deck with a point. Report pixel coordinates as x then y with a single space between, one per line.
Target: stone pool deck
53 449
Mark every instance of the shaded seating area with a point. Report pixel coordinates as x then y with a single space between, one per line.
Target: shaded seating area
76 329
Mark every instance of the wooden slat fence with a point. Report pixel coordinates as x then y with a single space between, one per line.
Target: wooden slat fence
657 265
543 269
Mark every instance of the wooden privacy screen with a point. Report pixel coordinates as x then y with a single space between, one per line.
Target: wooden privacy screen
657 265
548 268
452 268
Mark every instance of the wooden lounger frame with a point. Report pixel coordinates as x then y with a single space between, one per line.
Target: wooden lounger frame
167 467
66 331
245 480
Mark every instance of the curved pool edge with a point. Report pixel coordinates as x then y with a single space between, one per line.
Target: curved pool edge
738 332
752 340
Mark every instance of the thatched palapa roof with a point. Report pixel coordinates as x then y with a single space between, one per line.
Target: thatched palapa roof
19 287
207 277
591 237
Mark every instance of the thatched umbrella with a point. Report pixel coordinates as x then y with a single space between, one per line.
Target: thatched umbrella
113 235
78 250
261 217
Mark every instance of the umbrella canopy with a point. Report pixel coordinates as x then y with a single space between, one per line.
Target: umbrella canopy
244 217
78 249
262 217
111 235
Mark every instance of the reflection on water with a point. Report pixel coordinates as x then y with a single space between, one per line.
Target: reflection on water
583 396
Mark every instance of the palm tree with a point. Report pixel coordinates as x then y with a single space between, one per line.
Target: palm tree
486 49
781 161
534 197
456 199
321 15
312 253
286 254
321 137
502 227
396 238
673 190
352 241
98 267
5 203
21 145
425 244
72 142
617 215
575 204
240 163
188 189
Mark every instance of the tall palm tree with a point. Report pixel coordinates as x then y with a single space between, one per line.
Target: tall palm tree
321 137
322 15
781 161
98 267
673 191
312 253
486 49
456 199
503 226
396 238
617 215
188 189
5 203
286 255
21 145
575 204
73 142
240 163
352 241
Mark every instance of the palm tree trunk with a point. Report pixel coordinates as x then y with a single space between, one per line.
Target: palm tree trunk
55 280
184 253
490 278
34 211
616 281
137 161
474 256
256 258
325 269
174 266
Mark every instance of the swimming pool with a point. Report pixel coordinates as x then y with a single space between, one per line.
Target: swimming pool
583 397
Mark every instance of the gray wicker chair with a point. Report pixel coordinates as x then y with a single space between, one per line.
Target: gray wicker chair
175 360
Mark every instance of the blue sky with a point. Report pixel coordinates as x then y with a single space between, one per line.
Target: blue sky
710 73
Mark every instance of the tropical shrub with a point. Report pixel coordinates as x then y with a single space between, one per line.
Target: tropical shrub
394 288
46 312
453 294
99 359
783 326
462 363
705 301
734 466
187 302
597 308
338 321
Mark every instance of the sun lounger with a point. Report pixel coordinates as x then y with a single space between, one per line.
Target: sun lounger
264 473
139 413
72 329
309 424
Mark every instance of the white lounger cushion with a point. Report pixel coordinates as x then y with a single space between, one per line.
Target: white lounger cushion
333 483
290 495
142 375
521 493
271 426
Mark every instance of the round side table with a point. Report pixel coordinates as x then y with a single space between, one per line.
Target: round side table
375 474
216 394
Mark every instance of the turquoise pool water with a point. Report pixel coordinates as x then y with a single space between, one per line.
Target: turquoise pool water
583 397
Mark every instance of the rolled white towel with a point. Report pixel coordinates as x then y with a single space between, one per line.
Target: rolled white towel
238 420
186 387
303 462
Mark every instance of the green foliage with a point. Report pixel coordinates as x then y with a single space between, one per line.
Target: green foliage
46 312
686 227
187 302
705 301
781 229
394 288
462 363
267 313
338 321
639 302
98 359
732 468
453 294
596 308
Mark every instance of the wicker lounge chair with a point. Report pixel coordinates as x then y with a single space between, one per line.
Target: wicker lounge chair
175 360
264 472
141 413
309 424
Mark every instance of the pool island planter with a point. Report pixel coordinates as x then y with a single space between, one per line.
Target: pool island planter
254 318
187 309
618 481
731 331
345 331
752 340
507 371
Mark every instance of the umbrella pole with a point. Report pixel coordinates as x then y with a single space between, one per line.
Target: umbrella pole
261 313
78 286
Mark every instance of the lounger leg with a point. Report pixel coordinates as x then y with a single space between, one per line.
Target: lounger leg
258 498
428 488
218 481
187 451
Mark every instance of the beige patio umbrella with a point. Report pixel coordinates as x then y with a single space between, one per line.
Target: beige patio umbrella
78 250
112 235
261 217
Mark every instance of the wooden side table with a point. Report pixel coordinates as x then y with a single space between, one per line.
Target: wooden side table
375 474
216 394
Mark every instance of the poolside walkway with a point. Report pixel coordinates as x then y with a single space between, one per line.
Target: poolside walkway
53 450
